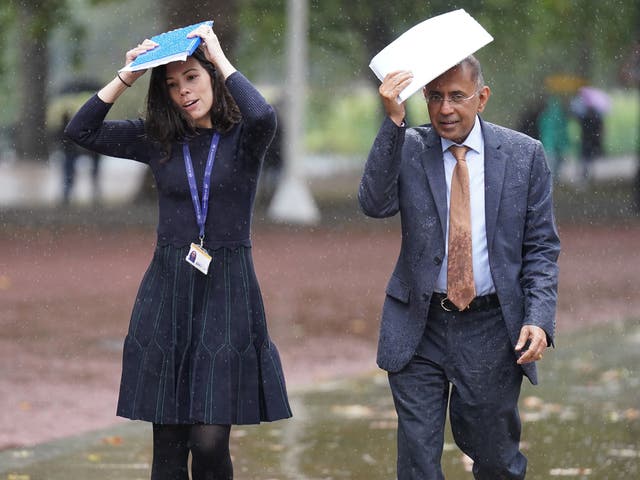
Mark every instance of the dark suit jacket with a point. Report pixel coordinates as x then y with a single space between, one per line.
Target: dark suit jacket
405 173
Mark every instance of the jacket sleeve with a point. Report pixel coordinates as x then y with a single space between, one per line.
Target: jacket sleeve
378 192
540 250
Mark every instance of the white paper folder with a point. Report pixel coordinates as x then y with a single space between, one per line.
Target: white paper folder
431 48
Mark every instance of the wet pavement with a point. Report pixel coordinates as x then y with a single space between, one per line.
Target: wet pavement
582 422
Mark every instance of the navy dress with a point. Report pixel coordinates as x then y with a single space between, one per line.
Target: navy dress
198 349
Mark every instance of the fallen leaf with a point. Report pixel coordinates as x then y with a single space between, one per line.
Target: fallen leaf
583 366
467 463
611 375
631 414
22 453
383 425
614 416
532 402
554 408
568 414
368 459
94 457
5 282
569 472
624 453
529 417
357 325
352 411
113 440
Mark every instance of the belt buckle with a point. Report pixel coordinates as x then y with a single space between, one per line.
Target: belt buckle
442 304
454 308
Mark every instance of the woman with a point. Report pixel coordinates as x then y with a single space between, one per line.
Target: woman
197 358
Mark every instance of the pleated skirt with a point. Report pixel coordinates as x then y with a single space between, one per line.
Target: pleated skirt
198 349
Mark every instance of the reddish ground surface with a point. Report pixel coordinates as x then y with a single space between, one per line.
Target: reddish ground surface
66 295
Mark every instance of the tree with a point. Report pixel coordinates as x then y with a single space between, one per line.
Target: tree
30 22
532 40
341 33
32 65
224 13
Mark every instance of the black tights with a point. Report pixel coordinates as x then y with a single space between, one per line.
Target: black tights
209 447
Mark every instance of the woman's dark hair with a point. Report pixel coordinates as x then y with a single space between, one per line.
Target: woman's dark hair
166 123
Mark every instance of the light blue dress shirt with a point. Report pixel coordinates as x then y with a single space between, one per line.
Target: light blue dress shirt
475 163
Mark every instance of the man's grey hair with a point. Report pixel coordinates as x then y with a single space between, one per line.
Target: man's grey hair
475 70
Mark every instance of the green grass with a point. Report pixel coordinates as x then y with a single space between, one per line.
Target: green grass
346 122
622 124
342 122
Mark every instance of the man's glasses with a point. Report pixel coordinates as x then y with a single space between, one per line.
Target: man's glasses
456 98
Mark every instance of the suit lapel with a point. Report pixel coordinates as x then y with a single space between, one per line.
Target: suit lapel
433 164
495 162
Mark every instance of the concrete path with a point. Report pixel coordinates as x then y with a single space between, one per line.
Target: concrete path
35 184
582 421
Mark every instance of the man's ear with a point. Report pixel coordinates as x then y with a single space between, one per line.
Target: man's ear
483 95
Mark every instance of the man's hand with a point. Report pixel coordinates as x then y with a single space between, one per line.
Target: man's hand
536 338
389 90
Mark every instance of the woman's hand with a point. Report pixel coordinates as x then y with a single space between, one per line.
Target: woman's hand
210 43
213 50
123 80
131 55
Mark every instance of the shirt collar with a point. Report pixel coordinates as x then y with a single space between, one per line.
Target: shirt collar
474 140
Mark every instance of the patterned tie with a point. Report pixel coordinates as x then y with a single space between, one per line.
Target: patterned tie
460 287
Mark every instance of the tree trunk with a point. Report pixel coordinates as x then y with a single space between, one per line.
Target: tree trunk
223 13
30 131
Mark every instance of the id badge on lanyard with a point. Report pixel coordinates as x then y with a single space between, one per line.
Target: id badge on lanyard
198 256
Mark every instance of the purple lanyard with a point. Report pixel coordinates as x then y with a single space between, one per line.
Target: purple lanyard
201 211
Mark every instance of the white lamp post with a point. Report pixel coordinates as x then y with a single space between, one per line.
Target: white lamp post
292 202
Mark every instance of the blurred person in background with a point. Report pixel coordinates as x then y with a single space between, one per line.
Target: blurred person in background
589 106
71 154
273 164
554 135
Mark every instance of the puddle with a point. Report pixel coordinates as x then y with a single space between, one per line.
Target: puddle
582 422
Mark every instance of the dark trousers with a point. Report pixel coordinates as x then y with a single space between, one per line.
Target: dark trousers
464 360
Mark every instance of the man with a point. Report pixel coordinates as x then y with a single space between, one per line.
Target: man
445 341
